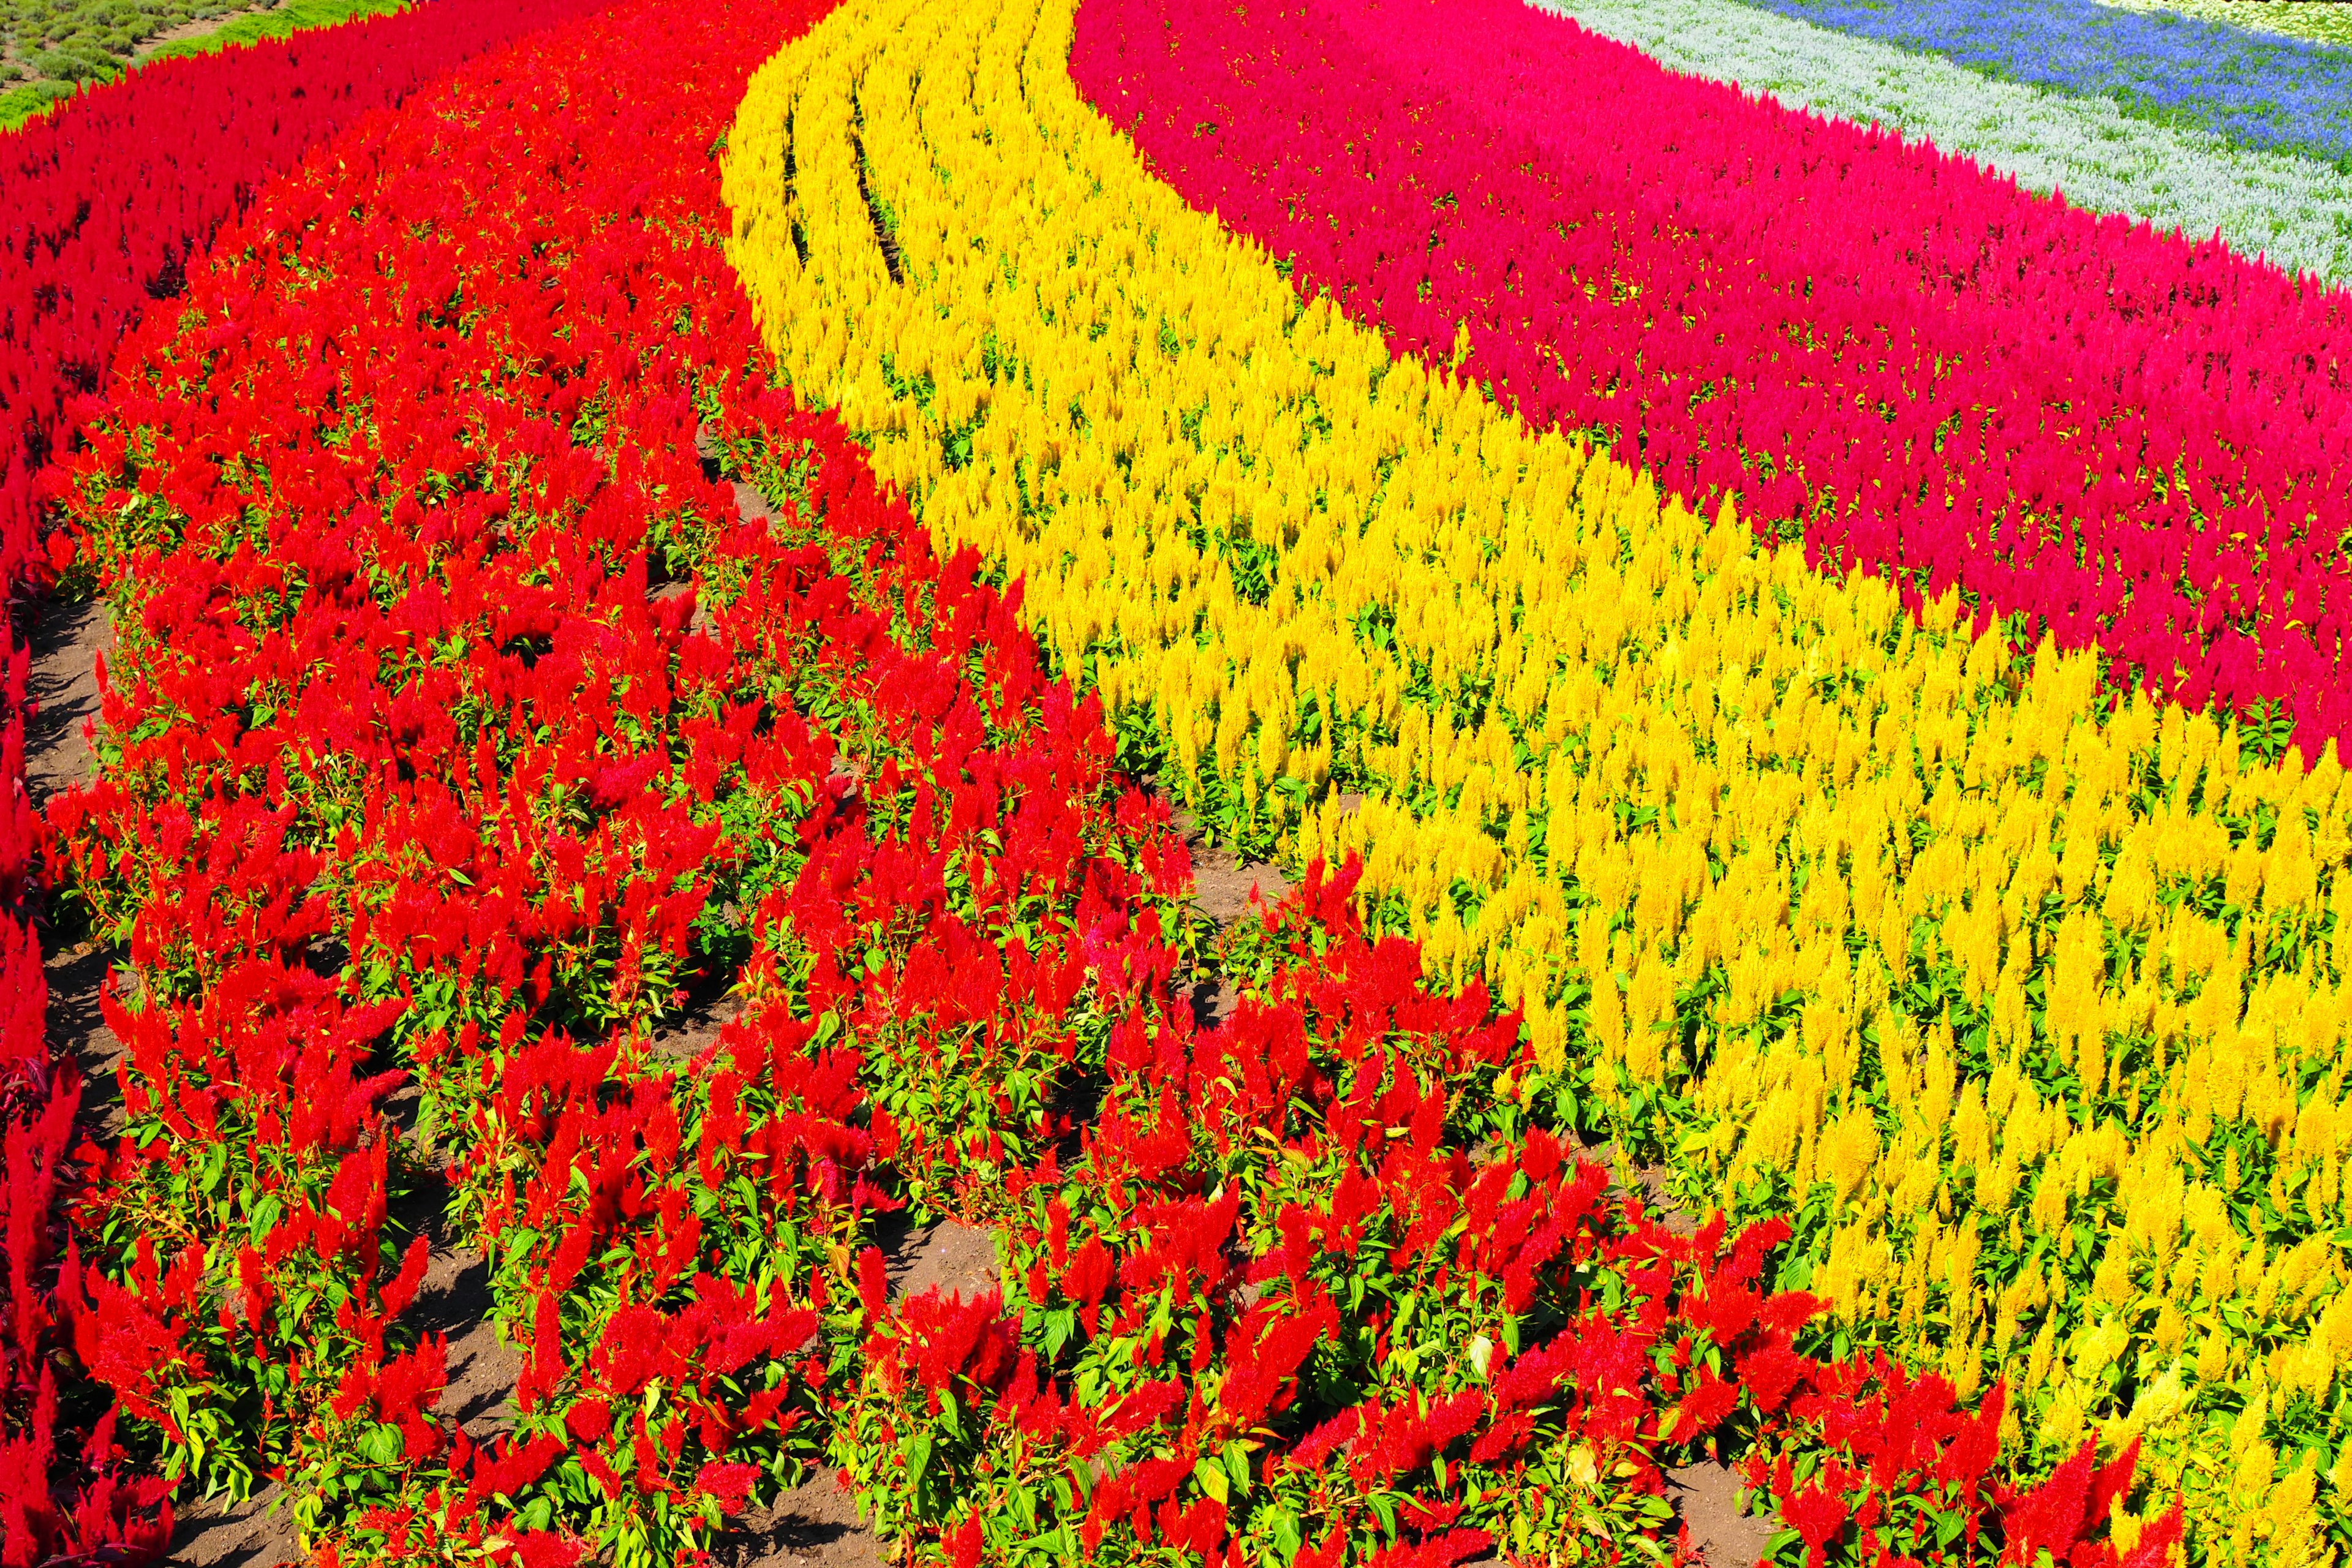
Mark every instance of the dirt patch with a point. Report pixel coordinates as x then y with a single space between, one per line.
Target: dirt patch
953 1259
1226 888
695 1031
77 1026
1223 886
197 27
1647 1182
1223 882
1707 1497
483 1372
751 506
815 1523
211 1534
454 1300
67 640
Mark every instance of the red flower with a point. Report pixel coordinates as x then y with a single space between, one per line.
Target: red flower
1818 1515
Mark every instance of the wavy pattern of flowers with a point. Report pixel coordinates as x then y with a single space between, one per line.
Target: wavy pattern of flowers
507 660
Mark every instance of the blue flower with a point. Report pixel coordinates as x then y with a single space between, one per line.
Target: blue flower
2253 89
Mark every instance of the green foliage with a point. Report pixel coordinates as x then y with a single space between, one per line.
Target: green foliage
2320 21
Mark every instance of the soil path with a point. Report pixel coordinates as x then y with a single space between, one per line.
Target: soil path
197 27
68 641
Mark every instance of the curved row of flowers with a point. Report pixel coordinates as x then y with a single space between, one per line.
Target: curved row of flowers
1928 372
2021 997
102 209
404 522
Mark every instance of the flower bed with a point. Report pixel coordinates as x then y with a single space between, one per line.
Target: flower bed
1934 375
462 730
2019 1001
53 80
101 207
2319 21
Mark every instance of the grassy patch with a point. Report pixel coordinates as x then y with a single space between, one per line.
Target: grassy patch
2319 21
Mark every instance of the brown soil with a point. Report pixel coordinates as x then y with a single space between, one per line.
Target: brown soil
687 1036
1647 1182
1707 1495
245 1535
1226 888
67 640
750 505
1223 882
815 1523
454 1300
952 1259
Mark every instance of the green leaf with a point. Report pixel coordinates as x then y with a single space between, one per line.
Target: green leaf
918 1448
1211 1476
382 1446
1284 1526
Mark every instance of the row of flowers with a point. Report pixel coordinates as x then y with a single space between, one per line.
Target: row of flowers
404 521
2258 89
424 762
465 728
2175 178
2021 1000
102 209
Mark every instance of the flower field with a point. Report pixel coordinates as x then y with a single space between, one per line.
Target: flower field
689 589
